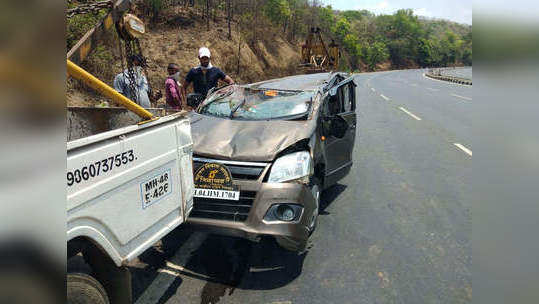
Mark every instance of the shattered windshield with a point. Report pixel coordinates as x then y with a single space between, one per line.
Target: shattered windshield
238 102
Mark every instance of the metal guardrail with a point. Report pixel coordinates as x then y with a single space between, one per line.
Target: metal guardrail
437 74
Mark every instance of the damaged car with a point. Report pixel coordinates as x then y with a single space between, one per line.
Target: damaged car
264 152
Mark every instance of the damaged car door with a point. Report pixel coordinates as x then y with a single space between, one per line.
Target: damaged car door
339 129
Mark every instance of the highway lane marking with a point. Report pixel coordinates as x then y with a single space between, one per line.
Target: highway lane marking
172 270
372 89
382 95
174 266
463 97
169 272
178 273
409 113
463 148
434 90
414 84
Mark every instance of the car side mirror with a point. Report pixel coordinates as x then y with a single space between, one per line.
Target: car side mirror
194 99
339 126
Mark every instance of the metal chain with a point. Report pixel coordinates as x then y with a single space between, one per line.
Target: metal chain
144 67
89 8
129 52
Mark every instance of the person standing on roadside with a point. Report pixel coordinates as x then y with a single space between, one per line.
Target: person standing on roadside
140 92
173 93
204 77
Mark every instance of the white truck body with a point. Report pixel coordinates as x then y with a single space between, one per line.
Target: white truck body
128 187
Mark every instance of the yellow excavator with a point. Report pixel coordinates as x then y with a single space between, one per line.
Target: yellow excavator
316 57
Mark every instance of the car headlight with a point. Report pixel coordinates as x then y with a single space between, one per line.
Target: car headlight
290 167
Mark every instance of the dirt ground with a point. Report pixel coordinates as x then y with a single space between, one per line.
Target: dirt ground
176 39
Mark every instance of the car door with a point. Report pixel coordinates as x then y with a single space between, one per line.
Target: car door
339 119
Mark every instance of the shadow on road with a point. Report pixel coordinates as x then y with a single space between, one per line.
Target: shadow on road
271 266
329 195
223 260
145 270
237 263
224 263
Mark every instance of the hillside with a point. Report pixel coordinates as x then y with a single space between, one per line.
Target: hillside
265 41
176 39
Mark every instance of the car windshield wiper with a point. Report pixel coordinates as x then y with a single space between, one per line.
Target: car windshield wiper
219 97
236 107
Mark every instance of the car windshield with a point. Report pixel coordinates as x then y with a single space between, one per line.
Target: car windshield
238 102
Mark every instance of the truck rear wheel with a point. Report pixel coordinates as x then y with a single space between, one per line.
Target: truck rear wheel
84 289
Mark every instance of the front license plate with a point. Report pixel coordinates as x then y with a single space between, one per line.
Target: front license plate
217 194
156 188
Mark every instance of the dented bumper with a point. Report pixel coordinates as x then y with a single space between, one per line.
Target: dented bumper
246 217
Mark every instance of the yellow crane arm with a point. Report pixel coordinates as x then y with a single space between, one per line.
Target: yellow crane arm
79 73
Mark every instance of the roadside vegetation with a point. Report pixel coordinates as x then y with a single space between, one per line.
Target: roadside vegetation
255 40
401 40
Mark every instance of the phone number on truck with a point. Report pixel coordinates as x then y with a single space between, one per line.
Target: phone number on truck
103 166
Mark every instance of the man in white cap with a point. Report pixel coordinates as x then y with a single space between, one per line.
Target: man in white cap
205 76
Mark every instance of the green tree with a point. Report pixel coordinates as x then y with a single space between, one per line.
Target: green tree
277 10
326 18
341 28
350 43
427 52
353 15
376 53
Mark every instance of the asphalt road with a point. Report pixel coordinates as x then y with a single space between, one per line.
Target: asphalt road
396 230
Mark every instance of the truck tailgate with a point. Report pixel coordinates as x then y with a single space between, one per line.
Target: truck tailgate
129 190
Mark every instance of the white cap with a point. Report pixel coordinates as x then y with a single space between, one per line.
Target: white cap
204 52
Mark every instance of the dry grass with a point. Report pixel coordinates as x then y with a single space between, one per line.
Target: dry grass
177 39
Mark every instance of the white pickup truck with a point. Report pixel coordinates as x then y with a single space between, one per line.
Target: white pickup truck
126 189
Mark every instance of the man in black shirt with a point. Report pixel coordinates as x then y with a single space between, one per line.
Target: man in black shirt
205 76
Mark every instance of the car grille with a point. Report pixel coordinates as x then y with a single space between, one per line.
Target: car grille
228 210
239 170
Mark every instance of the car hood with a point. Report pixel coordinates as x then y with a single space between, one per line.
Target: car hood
243 140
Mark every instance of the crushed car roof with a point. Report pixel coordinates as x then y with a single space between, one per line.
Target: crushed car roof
306 82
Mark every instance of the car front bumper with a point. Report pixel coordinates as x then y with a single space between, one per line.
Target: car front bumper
289 235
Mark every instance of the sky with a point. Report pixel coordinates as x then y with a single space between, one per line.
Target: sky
455 10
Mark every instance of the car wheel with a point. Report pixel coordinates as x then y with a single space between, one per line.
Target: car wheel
85 289
315 190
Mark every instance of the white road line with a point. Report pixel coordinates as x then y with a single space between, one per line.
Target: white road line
174 266
466 98
409 113
372 89
434 90
463 148
172 270
414 84
382 95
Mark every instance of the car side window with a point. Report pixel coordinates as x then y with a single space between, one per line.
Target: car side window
347 101
335 104
353 97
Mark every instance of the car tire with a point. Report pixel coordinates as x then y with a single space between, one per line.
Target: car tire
317 192
85 289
